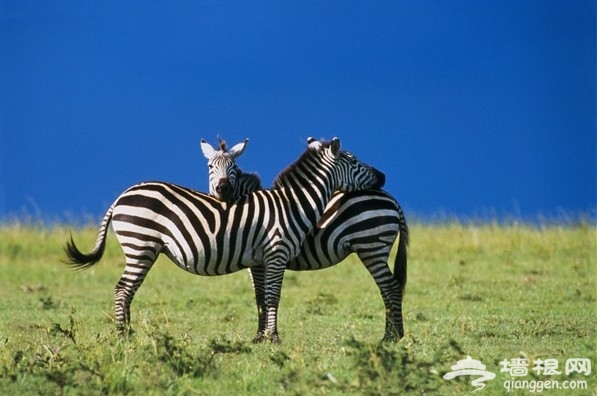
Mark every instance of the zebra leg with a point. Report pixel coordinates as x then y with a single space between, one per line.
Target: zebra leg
274 275
127 286
394 326
258 279
391 293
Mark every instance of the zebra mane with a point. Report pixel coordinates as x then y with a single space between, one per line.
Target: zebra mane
290 169
222 145
247 178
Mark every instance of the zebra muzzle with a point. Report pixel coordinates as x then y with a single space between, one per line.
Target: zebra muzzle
224 189
380 178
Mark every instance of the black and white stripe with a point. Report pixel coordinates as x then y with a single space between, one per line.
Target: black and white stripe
226 180
363 222
205 236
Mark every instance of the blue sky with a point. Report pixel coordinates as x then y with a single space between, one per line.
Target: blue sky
471 108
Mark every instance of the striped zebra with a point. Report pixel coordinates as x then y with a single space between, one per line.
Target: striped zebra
363 222
205 236
223 169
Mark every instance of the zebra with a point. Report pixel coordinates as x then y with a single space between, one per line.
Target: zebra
205 236
223 169
363 222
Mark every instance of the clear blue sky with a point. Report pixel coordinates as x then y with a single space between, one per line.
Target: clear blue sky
471 108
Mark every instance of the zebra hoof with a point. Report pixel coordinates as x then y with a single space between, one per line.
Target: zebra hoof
124 331
259 338
392 337
393 332
275 339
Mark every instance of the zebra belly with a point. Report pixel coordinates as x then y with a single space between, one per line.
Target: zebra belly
355 228
143 238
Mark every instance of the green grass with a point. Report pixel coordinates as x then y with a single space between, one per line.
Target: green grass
491 292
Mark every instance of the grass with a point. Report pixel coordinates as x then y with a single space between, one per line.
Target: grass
492 292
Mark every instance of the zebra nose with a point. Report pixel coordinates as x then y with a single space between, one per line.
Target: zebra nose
224 188
380 178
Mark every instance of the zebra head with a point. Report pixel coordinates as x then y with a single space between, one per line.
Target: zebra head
223 171
326 165
350 173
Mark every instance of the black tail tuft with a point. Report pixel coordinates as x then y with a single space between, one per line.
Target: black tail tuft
401 259
79 260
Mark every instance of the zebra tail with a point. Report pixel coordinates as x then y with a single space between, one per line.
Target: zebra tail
81 261
400 261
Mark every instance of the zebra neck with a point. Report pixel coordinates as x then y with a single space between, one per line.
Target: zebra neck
308 186
307 197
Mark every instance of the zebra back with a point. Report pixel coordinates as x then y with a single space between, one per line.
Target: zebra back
206 236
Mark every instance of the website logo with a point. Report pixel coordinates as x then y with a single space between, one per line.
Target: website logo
519 368
472 367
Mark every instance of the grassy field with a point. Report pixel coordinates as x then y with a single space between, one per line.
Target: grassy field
491 292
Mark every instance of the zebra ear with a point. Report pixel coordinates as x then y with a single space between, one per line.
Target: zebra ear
313 143
335 146
208 150
238 149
